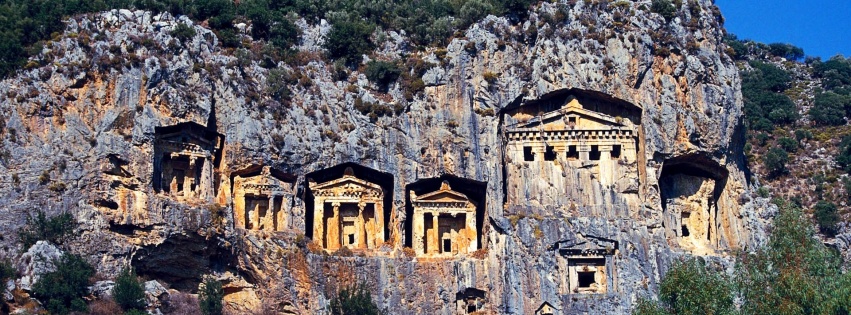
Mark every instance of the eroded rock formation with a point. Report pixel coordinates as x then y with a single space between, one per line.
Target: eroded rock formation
151 158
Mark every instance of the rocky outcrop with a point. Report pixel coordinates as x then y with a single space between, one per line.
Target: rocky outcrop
87 122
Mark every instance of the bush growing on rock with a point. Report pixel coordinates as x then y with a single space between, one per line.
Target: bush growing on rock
788 144
844 157
41 228
129 292
183 32
354 300
210 297
62 290
775 161
826 217
382 73
830 109
664 8
349 40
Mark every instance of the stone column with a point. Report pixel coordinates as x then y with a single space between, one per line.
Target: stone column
318 218
333 235
378 210
360 228
205 185
471 226
605 152
239 210
584 152
418 227
434 247
187 184
271 222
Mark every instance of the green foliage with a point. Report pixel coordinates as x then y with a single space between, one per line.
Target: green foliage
211 296
664 8
349 40
775 161
678 293
738 49
844 157
830 109
183 32
129 291
835 73
354 300
794 274
826 217
41 228
788 51
788 144
765 105
803 134
62 291
277 84
382 73
7 270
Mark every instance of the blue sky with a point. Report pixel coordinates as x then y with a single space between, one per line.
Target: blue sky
821 27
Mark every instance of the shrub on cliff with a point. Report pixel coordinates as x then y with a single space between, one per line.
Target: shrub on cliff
349 40
664 8
62 290
354 300
678 293
41 228
775 161
382 73
210 297
830 109
826 217
129 291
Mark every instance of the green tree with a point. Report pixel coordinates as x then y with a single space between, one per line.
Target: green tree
830 109
349 40
382 73
844 157
826 217
210 297
794 274
775 161
39 227
62 290
129 292
354 300
677 293
664 8
788 144
787 51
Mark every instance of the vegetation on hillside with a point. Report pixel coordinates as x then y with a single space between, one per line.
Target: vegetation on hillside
41 228
354 300
62 290
794 274
26 25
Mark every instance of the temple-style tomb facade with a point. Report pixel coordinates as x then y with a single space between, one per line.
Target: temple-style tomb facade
444 223
261 198
348 213
184 160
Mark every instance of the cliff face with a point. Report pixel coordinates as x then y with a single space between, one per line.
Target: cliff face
86 127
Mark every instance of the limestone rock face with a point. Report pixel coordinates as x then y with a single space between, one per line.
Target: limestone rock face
37 261
85 130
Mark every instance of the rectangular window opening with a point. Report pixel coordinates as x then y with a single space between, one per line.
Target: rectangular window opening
351 239
471 308
616 152
571 121
447 246
549 154
585 278
528 156
594 155
572 153
685 231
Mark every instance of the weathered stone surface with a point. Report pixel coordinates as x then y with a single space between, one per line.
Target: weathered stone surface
37 261
102 289
89 118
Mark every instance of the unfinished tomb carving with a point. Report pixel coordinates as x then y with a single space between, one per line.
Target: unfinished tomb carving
261 198
348 213
470 301
444 223
185 157
690 187
590 265
567 149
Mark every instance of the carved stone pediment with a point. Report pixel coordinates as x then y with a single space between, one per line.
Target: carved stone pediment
572 117
347 186
586 245
445 197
